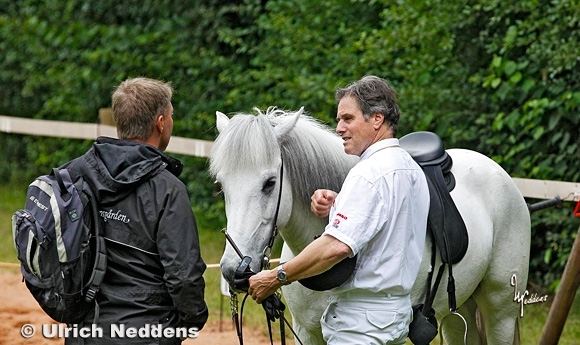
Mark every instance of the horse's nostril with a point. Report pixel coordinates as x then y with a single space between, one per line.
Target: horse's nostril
228 273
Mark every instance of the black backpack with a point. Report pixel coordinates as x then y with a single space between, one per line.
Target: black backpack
60 244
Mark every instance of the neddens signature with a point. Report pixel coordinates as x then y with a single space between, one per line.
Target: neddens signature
521 297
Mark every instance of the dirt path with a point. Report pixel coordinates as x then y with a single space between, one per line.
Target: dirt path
18 308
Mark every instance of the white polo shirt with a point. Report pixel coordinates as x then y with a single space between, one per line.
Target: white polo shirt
381 214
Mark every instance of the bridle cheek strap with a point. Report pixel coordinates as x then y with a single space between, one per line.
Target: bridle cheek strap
267 252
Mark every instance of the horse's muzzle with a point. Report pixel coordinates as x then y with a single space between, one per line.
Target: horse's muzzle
242 274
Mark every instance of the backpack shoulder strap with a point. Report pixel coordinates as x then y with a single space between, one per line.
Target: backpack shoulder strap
100 264
75 168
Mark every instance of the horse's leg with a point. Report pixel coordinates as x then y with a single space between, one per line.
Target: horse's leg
499 313
502 212
306 307
307 336
453 328
510 259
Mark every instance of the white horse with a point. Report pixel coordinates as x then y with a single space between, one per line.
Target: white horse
246 160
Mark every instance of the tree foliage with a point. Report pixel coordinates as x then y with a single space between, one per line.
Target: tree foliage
498 77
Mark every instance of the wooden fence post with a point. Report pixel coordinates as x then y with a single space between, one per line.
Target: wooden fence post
106 117
564 297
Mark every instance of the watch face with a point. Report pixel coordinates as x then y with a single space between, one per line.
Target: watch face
281 275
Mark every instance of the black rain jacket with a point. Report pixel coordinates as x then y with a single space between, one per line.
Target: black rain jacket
154 268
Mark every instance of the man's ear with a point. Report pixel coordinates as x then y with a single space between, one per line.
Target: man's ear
160 123
379 120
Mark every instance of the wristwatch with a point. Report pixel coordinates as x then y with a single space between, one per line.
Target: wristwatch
281 275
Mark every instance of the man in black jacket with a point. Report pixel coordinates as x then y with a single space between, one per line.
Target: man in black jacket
153 290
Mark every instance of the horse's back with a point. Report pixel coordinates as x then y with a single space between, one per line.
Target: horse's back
486 183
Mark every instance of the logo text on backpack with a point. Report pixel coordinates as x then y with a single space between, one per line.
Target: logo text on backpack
38 203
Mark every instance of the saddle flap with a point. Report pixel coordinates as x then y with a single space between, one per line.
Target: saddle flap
445 222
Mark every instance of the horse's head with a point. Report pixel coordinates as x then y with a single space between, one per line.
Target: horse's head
268 166
247 161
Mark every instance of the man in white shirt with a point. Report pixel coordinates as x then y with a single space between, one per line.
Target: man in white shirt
380 215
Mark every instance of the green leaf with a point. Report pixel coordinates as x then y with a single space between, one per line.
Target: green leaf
538 132
509 68
553 122
547 255
515 78
511 35
496 61
528 84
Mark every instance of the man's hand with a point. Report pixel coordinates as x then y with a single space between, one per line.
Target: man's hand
321 202
263 284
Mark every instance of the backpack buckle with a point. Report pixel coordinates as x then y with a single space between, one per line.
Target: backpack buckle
90 295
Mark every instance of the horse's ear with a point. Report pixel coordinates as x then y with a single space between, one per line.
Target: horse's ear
285 127
221 121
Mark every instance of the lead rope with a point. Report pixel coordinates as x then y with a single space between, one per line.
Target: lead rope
235 318
238 319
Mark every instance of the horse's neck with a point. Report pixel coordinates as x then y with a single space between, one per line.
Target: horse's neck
302 228
327 168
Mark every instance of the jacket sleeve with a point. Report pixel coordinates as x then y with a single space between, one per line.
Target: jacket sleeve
179 251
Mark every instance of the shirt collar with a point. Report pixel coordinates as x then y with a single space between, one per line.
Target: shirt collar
379 145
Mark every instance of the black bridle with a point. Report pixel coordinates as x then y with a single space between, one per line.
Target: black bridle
272 305
267 252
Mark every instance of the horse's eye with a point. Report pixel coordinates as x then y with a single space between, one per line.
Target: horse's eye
268 185
219 188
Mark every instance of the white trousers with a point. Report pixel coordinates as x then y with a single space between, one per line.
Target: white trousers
366 319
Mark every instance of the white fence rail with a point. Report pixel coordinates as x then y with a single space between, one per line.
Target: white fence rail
90 131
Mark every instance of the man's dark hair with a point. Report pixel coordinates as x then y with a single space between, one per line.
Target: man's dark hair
374 95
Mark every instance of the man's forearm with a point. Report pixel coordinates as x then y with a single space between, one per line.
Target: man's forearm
316 258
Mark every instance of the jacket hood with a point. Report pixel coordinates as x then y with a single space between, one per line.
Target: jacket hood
116 167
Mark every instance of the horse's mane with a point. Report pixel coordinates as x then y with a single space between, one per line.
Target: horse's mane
312 154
